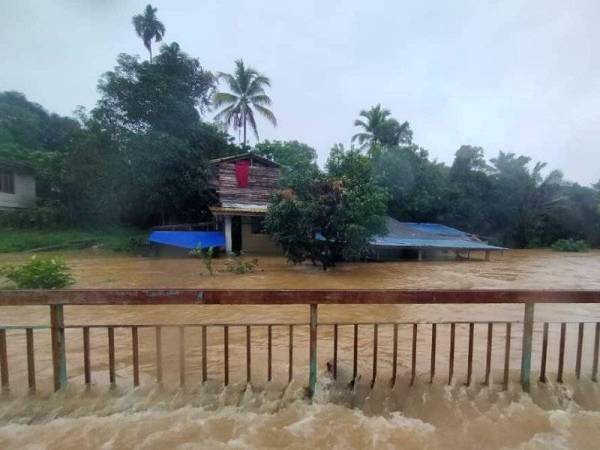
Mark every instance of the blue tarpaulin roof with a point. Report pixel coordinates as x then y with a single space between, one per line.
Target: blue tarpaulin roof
188 239
429 235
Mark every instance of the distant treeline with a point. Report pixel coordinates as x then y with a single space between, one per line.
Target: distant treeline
140 158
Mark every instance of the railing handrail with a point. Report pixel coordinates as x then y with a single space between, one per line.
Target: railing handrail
292 296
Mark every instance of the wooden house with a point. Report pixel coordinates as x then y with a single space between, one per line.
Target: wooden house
243 186
17 185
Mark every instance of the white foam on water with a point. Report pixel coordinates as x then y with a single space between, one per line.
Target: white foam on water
278 417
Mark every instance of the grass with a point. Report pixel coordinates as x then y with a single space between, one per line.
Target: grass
117 239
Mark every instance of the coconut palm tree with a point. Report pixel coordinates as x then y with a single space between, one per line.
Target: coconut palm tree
148 27
380 129
247 95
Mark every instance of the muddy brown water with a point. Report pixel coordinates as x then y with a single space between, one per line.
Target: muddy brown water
275 415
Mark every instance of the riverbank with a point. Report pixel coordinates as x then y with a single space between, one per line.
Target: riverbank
116 239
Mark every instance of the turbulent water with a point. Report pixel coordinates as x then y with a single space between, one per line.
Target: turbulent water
276 415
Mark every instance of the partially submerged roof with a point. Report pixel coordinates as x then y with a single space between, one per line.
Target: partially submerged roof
188 239
227 208
242 156
429 235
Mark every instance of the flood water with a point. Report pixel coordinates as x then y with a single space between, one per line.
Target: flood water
276 415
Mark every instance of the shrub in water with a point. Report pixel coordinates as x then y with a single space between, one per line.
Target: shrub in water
207 255
241 267
570 245
39 273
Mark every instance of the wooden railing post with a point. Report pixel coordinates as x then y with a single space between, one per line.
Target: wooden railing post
59 359
526 347
312 379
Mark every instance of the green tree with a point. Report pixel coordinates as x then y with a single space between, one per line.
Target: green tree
327 222
417 187
149 28
168 95
298 161
247 95
380 130
350 166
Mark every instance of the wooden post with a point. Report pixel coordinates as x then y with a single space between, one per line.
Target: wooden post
413 374
507 355
433 343
269 352
86 356
226 355
248 355
420 255
335 351
312 379
543 378
136 356
375 344
451 357
111 356
561 352
596 348
579 351
159 372
181 356
487 255
204 355
526 347
355 355
470 354
3 360
30 359
59 359
291 355
395 355
488 355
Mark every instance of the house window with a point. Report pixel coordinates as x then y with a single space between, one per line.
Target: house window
7 182
257 225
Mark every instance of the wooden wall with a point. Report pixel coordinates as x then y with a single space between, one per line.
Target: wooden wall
262 183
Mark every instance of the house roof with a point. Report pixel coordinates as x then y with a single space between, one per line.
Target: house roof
429 235
239 209
247 155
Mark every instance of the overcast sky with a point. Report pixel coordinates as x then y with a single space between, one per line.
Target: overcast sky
519 76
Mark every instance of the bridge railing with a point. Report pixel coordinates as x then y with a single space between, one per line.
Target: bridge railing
57 300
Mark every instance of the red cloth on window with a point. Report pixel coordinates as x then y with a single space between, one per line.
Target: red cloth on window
242 168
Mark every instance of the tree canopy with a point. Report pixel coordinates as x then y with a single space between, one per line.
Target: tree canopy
148 28
140 157
247 94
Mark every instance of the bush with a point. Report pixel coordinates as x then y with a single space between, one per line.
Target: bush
207 256
241 267
135 244
44 216
39 273
570 245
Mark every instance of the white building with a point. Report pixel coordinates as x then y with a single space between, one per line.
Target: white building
17 185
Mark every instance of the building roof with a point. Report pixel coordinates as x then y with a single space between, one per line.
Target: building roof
247 155
429 235
239 209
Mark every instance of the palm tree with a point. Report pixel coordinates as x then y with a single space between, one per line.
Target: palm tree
247 95
381 129
148 27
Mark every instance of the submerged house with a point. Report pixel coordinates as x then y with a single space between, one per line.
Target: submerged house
418 239
17 185
243 186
